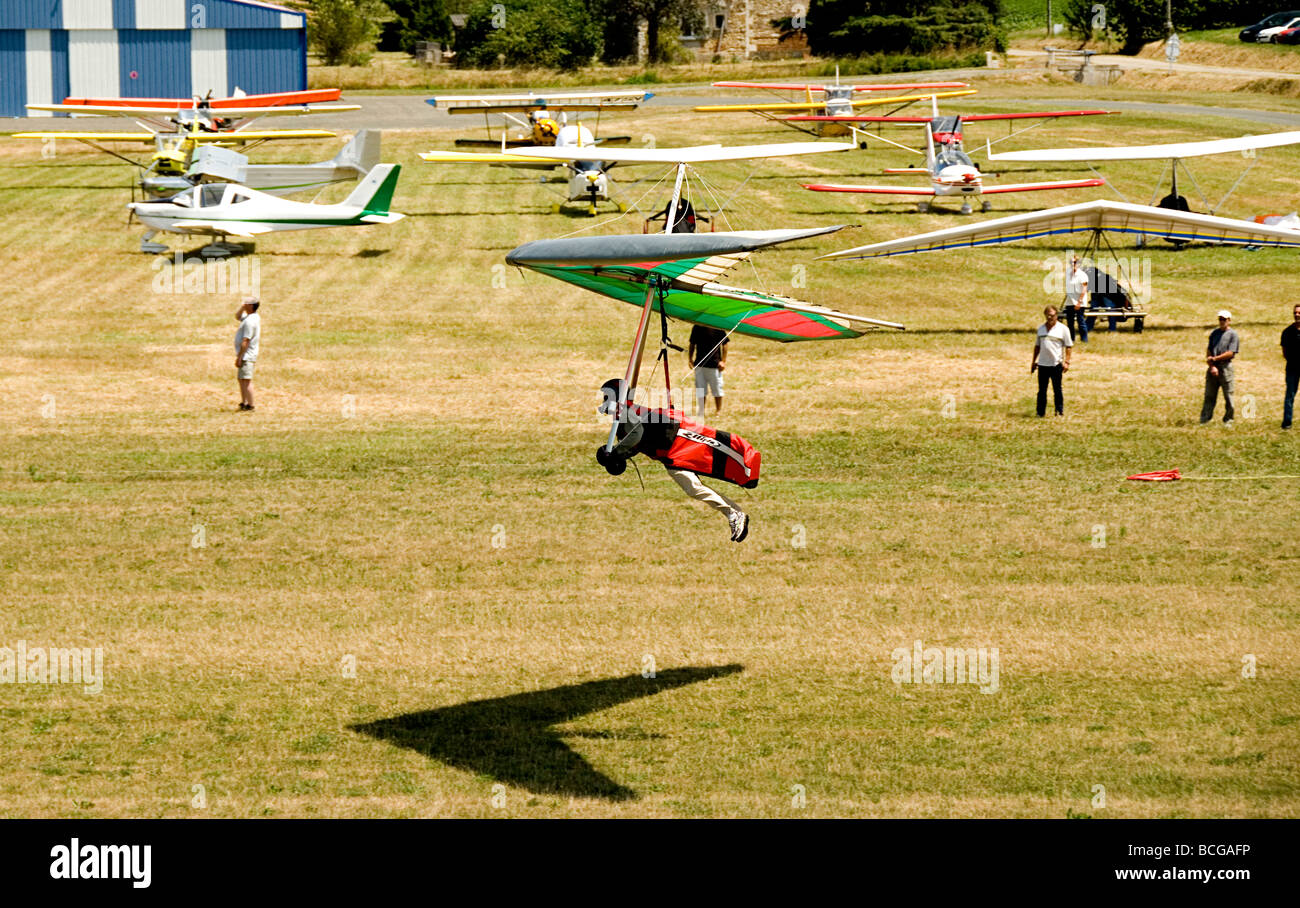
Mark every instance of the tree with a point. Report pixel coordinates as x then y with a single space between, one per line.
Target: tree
421 20
1139 22
344 31
852 28
556 34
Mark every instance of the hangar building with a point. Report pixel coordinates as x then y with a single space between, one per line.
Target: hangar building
53 49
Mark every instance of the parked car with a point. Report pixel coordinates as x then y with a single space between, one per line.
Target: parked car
1289 36
1269 35
1277 20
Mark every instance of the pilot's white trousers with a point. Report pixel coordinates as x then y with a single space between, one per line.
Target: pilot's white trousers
692 486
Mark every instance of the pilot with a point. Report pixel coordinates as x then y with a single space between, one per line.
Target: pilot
685 448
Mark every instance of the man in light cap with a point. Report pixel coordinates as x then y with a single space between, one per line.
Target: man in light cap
247 341
1219 356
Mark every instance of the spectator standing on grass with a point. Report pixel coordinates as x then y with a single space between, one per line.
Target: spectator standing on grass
1220 354
247 341
1291 353
707 355
1051 359
1077 296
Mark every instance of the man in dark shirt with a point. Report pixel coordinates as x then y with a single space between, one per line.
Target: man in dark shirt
1219 356
1291 353
707 354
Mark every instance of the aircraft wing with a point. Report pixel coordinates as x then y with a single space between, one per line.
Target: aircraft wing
498 158
522 103
146 137
793 106
884 190
688 264
247 229
248 135
1035 187
965 118
1149 152
694 154
1102 214
884 86
276 99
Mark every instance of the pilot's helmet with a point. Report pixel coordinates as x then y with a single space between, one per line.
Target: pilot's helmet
546 128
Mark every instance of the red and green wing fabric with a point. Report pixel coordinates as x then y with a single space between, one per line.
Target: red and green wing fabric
687 287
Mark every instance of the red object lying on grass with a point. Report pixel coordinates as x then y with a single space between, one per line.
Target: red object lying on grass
1157 476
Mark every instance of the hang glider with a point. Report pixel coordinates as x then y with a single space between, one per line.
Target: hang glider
539 117
832 100
1173 153
684 269
1153 152
1091 217
227 209
588 166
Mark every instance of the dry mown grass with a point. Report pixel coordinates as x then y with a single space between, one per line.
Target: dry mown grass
372 536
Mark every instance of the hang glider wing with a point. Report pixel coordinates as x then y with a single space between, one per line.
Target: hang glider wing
880 86
819 104
1150 152
500 159
882 190
1119 217
688 266
694 154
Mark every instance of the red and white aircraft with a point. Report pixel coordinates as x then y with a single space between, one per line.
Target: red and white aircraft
950 169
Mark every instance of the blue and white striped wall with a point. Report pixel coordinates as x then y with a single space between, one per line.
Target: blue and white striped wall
53 49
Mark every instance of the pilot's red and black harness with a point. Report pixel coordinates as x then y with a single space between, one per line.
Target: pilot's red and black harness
669 436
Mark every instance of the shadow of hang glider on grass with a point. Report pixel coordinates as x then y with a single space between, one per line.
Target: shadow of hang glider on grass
511 739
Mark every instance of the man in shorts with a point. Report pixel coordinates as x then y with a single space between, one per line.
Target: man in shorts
707 354
247 341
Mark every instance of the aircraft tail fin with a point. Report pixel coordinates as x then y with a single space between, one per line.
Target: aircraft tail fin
374 194
361 153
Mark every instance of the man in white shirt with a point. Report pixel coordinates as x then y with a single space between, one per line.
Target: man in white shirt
1051 359
247 341
1077 296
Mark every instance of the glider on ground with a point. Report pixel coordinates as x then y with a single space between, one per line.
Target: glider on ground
542 117
223 210
949 168
1096 217
588 167
832 100
1173 153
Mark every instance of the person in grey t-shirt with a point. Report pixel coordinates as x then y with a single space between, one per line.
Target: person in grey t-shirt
1219 356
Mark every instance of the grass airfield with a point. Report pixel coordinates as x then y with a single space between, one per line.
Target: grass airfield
417 595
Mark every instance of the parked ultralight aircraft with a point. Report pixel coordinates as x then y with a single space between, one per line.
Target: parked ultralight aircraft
541 116
223 210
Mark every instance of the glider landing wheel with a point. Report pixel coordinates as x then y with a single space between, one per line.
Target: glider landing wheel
591 210
555 208
965 208
986 206
614 464
922 207
622 207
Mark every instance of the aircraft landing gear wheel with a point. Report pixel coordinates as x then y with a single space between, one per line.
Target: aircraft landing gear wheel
591 210
986 206
922 207
622 207
555 208
965 208
614 464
